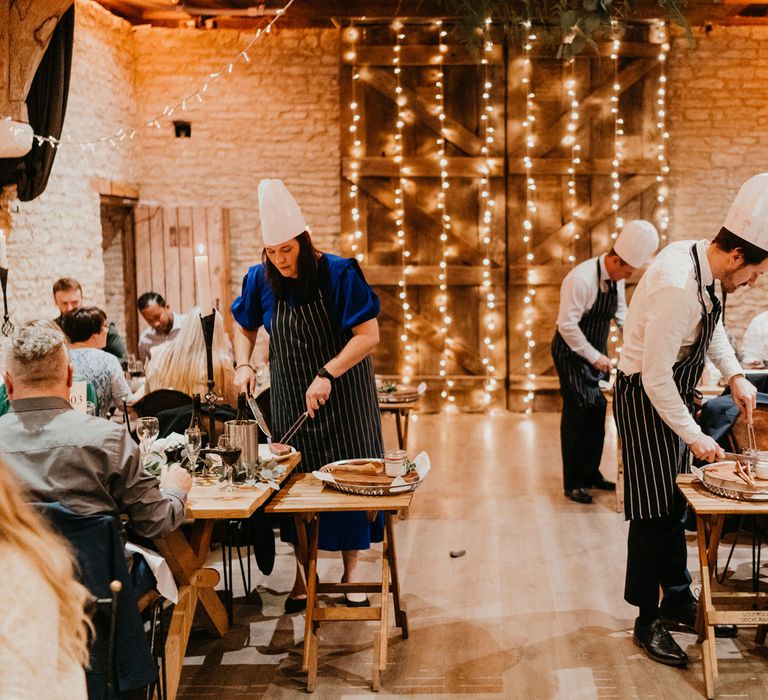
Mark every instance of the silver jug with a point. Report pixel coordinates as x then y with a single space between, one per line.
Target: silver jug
246 433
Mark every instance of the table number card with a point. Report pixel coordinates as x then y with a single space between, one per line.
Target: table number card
78 396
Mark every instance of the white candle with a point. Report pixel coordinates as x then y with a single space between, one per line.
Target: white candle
203 280
3 253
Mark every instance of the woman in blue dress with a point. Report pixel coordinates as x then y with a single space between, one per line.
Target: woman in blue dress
320 314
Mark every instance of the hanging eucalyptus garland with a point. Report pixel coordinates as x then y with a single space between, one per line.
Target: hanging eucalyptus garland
573 24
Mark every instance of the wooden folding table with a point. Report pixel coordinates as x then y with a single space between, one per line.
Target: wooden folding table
746 609
305 498
186 555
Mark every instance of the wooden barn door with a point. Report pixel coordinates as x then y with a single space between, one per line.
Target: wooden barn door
369 102
379 181
167 239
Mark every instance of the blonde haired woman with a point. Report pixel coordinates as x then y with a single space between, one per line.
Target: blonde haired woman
181 363
43 627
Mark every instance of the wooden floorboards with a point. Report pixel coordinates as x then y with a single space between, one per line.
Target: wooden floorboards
534 609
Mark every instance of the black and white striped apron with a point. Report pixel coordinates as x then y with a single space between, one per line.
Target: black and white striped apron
653 453
302 339
579 378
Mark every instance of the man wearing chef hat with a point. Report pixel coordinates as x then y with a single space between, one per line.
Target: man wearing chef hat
672 325
591 296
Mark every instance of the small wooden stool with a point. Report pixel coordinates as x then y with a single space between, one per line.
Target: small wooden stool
305 498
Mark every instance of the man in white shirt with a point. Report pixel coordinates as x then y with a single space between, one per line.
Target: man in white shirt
164 324
754 349
672 326
591 297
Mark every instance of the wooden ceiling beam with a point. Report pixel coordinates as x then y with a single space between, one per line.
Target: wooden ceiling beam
329 13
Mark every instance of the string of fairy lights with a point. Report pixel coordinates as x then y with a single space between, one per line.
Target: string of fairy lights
661 125
186 102
401 101
445 218
530 211
571 139
486 222
356 150
618 133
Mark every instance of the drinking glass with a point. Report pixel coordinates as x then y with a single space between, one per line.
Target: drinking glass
193 441
229 448
147 428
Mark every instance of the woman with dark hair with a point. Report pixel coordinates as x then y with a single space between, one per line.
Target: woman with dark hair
320 314
86 329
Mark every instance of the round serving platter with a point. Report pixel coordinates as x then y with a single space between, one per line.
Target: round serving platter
378 487
720 478
403 394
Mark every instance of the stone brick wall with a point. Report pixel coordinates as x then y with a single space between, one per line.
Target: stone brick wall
718 138
276 117
59 233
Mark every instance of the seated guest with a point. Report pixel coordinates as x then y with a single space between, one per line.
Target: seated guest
43 625
164 324
755 346
88 465
68 296
86 329
85 463
181 364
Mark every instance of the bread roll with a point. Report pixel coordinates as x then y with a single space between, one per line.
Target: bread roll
371 468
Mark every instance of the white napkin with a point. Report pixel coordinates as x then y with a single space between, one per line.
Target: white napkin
165 583
423 466
169 442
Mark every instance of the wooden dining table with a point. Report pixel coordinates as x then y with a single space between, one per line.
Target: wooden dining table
745 609
186 550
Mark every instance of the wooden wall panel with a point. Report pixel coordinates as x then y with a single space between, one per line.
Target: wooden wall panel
167 239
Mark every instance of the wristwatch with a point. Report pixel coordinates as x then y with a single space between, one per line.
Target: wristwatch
323 372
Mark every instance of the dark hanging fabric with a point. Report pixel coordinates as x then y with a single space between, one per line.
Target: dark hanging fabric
46 106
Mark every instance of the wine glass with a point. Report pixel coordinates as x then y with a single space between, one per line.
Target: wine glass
147 428
229 448
193 441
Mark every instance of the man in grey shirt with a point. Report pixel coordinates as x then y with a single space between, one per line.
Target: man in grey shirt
88 464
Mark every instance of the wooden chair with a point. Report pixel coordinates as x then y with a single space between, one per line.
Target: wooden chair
121 659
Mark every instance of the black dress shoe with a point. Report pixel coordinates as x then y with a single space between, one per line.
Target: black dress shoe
579 495
684 617
656 641
604 485
357 603
294 605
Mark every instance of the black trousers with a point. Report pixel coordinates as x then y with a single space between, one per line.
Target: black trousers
657 559
582 433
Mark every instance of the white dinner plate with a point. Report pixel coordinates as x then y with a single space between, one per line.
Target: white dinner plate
266 453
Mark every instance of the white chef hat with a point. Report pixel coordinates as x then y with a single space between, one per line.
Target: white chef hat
637 242
748 216
281 218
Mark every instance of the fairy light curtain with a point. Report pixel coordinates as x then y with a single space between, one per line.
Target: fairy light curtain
477 185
